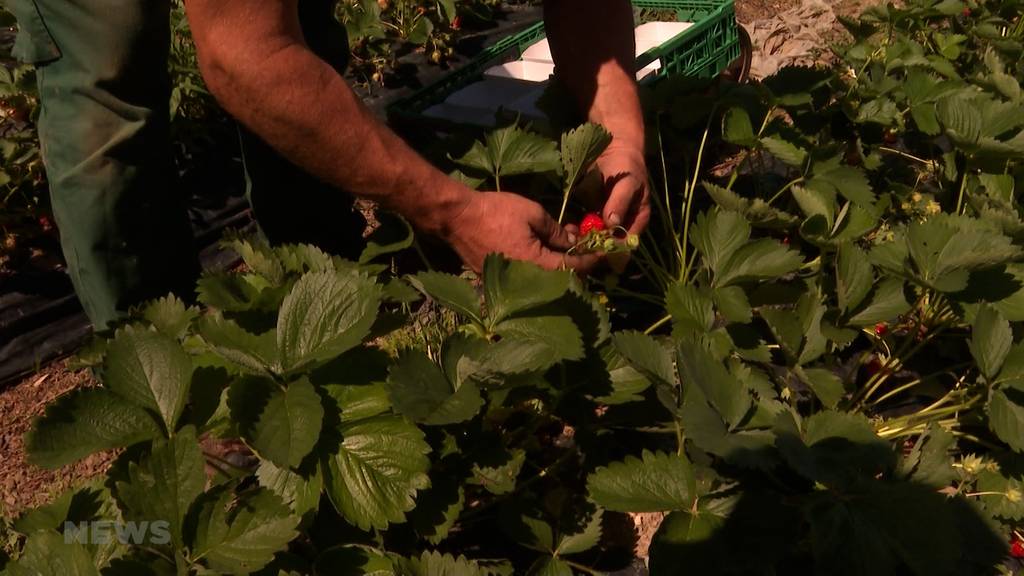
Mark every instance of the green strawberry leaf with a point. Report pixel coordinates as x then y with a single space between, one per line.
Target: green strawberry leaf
1002 495
421 391
929 460
991 339
170 316
827 386
737 128
848 181
164 484
84 422
656 482
48 553
282 424
354 560
451 291
1006 416
584 538
698 367
512 287
438 508
553 339
718 235
498 471
945 249
240 534
691 310
510 151
149 370
300 492
763 259
437 564
325 315
854 277
787 152
646 355
374 474
581 147
887 303
247 352
394 235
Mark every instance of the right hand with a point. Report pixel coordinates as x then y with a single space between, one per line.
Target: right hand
516 227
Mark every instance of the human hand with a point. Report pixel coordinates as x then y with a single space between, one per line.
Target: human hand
516 227
627 202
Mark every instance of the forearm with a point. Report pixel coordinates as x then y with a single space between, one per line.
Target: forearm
593 45
303 108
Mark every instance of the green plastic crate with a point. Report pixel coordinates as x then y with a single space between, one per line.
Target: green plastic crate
703 50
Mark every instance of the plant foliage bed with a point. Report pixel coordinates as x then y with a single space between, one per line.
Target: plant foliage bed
813 365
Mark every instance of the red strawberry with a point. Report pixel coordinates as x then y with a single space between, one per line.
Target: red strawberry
874 366
881 329
786 240
966 13
1017 549
457 23
591 222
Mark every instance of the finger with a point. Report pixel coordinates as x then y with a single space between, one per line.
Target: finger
619 208
579 263
643 215
550 233
574 233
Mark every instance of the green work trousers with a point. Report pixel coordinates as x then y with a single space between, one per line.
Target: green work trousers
103 127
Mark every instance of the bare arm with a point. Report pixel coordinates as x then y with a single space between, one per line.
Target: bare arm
255 61
593 45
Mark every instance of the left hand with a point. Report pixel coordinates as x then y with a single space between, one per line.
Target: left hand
627 202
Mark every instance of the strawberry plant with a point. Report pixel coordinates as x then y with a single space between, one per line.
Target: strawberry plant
515 151
24 206
381 31
815 358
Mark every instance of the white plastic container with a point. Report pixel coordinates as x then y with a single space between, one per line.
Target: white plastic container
648 70
490 93
654 34
526 105
539 52
524 70
479 102
648 36
461 114
517 86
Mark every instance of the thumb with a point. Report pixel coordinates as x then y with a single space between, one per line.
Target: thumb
550 233
621 200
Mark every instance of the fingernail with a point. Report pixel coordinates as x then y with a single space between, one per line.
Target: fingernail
572 238
614 220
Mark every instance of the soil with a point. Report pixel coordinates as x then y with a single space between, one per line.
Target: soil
749 11
23 485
